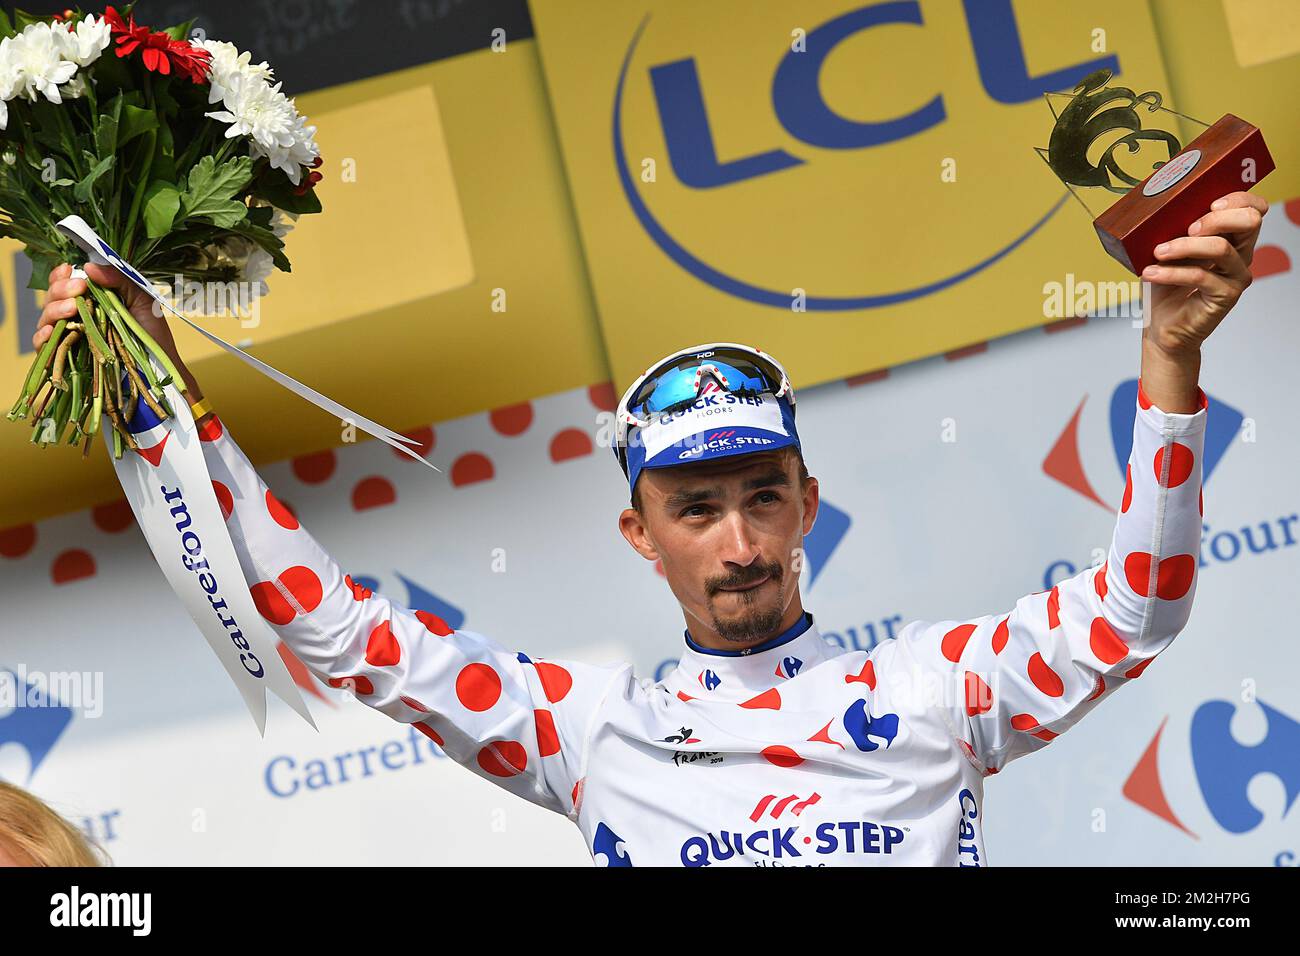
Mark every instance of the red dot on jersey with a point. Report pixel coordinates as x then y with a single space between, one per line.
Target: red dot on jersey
1001 634
979 697
433 624
1101 688
548 739
954 642
1137 571
1174 578
505 758
1054 608
224 498
1180 464
359 683
429 732
1044 678
1128 489
1024 722
1108 647
478 686
300 582
556 681
279 513
781 756
1137 671
382 649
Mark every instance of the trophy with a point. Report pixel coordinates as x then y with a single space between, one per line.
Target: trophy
1165 187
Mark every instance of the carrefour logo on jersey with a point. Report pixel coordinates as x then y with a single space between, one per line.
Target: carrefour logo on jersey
799 131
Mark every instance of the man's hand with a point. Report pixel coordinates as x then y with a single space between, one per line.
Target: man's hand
61 303
1198 280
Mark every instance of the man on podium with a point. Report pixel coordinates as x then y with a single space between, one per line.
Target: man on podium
767 745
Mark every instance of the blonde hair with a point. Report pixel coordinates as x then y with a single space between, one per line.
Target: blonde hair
37 836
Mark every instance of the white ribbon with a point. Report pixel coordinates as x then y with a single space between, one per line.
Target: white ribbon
169 487
101 253
170 490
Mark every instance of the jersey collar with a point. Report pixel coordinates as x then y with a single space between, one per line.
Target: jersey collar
739 675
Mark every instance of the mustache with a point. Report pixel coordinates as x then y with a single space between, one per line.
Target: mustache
745 576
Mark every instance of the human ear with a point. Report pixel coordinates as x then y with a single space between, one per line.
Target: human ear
632 526
811 501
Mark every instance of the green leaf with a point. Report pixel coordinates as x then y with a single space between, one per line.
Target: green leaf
260 215
276 189
211 190
269 241
83 188
42 266
162 201
106 141
181 31
134 122
164 156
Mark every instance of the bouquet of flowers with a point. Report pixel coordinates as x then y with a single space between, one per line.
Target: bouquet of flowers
180 152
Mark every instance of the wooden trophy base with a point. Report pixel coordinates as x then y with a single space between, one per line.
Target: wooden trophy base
1173 197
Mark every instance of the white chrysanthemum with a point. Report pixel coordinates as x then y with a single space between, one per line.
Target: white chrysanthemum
227 62
83 45
75 88
278 131
33 64
258 269
282 222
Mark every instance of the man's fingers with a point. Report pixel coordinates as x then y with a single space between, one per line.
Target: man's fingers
1194 276
60 302
61 271
1237 221
1238 199
65 289
106 275
1217 251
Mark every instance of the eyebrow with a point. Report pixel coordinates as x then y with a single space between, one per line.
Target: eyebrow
767 479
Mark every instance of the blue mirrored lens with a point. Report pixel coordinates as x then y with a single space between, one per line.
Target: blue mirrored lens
677 386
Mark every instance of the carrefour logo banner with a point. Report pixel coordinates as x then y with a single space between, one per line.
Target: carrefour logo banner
849 185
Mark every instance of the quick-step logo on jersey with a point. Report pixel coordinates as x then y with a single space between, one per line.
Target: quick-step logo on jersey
791 845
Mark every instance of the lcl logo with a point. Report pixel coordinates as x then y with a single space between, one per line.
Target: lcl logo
803 112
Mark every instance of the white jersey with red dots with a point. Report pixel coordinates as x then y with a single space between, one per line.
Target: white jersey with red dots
795 753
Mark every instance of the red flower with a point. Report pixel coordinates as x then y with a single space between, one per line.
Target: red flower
159 52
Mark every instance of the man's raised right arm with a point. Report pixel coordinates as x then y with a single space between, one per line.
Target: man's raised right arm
519 722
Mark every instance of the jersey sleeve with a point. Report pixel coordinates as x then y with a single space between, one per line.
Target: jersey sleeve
520 722
1013 682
